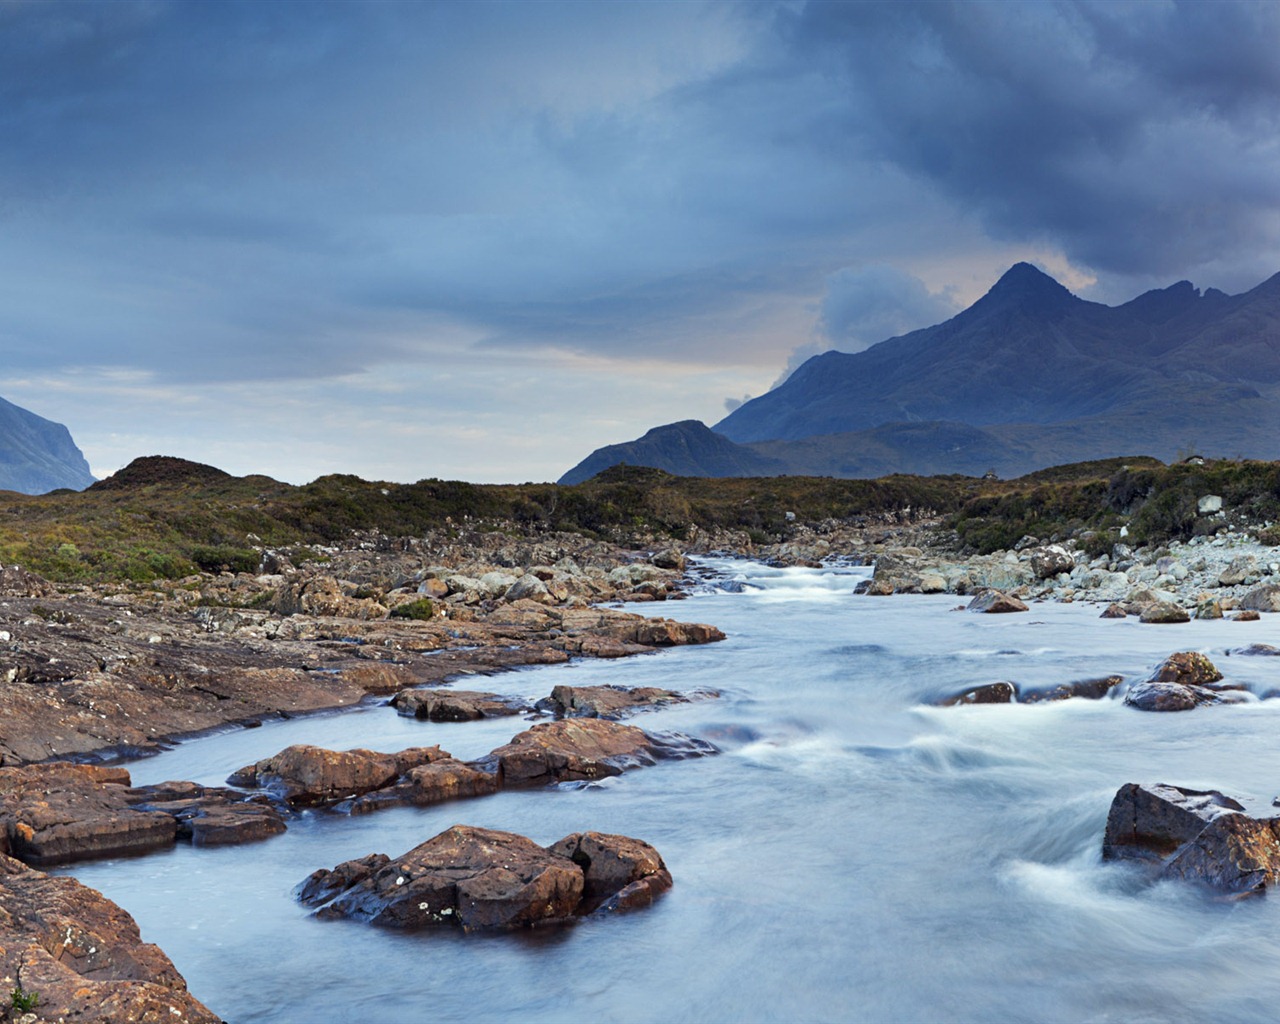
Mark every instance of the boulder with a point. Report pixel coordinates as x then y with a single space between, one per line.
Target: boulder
307 776
606 701
669 559
1265 598
480 879
1114 611
990 693
993 601
1209 610
1245 616
580 749
433 783
1049 561
1240 569
1089 689
323 596
874 588
1164 612
1194 835
61 813
83 956
1256 650
529 588
1209 504
1186 667
456 705
669 633
1150 822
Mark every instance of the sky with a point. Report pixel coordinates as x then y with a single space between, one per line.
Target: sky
478 240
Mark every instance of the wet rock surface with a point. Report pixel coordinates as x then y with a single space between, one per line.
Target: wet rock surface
995 602
61 813
583 749
608 701
303 775
1181 682
989 693
1088 689
1194 835
82 956
480 879
456 705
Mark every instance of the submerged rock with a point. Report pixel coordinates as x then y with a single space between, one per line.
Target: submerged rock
477 878
606 701
1089 689
989 693
1194 835
456 705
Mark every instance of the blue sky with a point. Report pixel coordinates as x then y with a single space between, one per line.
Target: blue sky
479 240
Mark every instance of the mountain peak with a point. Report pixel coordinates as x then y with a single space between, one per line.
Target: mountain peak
1026 284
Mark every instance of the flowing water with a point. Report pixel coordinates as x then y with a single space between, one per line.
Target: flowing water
853 854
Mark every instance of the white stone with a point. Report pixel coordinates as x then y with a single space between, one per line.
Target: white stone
1208 504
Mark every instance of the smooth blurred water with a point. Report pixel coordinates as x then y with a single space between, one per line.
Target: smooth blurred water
853 854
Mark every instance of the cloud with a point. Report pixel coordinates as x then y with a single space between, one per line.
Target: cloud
866 305
224 194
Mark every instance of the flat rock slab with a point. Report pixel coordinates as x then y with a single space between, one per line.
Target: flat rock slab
83 956
581 749
303 775
477 879
608 701
1194 835
456 705
995 602
60 813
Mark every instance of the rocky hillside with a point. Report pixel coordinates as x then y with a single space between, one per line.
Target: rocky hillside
1029 376
38 455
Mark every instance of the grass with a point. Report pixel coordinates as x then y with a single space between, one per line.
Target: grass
163 518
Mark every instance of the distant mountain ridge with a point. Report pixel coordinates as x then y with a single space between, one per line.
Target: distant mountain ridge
38 455
1028 376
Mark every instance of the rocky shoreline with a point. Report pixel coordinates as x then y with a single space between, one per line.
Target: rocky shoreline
93 675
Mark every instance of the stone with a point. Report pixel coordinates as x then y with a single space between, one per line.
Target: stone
606 701
1047 562
619 873
1150 822
669 559
1249 615
571 750
1240 569
308 776
990 693
1114 611
1209 504
1265 598
1186 667
1209 610
433 783
669 633
456 705
1163 612
83 956
874 588
1256 650
1181 697
529 588
483 879
995 602
1089 689
1234 854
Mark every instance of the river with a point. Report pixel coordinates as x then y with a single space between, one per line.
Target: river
853 854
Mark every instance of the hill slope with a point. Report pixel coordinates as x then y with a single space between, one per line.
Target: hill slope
38 455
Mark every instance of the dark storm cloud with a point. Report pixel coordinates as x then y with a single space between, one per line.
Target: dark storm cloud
249 190
1136 136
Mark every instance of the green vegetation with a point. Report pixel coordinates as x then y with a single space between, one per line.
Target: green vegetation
165 518
22 1000
419 609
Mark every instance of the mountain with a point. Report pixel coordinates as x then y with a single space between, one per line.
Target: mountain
38 455
687 448
1028 376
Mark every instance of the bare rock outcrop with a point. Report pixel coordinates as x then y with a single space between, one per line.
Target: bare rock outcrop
480 879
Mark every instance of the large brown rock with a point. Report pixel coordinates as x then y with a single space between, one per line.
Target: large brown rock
308 776
477 878
1164 612
669 633
433 783
1194 835
83 957
575 749
1191 668
61 813
1150 822
1265 598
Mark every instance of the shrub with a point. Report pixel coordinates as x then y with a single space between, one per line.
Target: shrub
419 609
